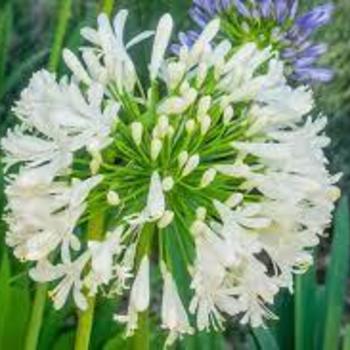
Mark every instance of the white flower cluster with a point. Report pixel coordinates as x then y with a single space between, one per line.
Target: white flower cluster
219 154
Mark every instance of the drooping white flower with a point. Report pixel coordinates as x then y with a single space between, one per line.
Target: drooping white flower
139 297
102 254
174 316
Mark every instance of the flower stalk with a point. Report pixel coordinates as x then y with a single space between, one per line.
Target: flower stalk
82 340
36 318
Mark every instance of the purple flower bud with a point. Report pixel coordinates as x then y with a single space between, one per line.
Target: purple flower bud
281 10
265 8
242 9
314 74
314 19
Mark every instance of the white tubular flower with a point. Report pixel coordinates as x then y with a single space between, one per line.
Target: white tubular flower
216 150
139 297
174 316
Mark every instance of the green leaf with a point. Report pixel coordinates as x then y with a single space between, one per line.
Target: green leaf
284 327
346 340
65 341
64 14
304 303
5 33
17 316
265 339
337 277
5 295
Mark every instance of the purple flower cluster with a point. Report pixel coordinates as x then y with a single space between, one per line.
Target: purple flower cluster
292 32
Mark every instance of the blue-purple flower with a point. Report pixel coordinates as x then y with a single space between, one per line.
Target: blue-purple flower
270 22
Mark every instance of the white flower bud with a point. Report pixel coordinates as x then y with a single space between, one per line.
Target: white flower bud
182 158
95 166
136 132
156 147
205 124
171 131
166 219
219 67
163 126
234 200
203 106
176 72
208 177
173 105
185 88
190 126
228 114
95 162
161 42
191 165
201 213
168 184
190 96
113 198
202 74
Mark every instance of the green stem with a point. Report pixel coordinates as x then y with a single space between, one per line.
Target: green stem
64 14
82 340
107 7
36 318
141 338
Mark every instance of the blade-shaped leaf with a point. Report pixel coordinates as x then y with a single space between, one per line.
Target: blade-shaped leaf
265 339
304 303
337 277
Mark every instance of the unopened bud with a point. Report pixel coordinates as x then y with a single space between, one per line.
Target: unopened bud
113 198
166 219
182 158
168 184
208 177
202 74
95 163
205 124
201 213
191 165
228 114
156 147
136 132
234 200
190 126
203 106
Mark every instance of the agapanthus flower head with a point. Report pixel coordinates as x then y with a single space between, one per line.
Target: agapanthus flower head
216 161
269 22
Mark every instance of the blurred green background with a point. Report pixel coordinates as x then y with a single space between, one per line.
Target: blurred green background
32 35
